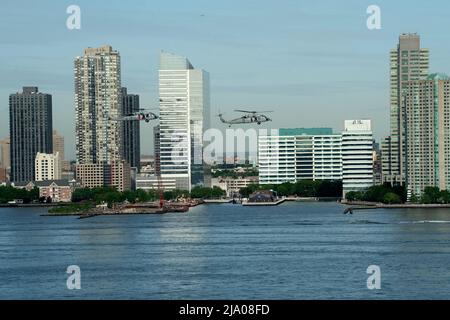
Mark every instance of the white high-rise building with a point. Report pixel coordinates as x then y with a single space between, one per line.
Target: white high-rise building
184 116
47 167
357 155
299 154
97 102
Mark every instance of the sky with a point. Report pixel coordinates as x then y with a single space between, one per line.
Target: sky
315 63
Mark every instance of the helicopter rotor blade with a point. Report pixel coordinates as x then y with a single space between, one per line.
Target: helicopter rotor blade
245 111
254 112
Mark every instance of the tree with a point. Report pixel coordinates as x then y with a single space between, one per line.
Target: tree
285 189
414 199
247 191
329 189
207 193
143 196
377 193
129 196
351 196
175 194
431 195
392 198
82 194
445 196
399 190
306 188
9 193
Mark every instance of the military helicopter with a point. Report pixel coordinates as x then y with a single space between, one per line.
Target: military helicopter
249 117
142 115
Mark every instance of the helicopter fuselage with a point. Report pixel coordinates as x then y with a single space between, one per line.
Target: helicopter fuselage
249 118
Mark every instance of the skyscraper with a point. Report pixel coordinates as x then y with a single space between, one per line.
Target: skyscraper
131 130
97 101
408 62
30 127
184 116
428 134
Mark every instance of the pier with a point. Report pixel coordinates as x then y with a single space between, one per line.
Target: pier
263 204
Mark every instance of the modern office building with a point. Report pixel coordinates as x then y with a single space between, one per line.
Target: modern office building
131 130
408 62
299 154
357 155
98 102
427 134
30 128
146 181
327 163
5 158
184 116
48 167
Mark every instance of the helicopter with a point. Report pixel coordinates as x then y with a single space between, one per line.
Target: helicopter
249 117
142 115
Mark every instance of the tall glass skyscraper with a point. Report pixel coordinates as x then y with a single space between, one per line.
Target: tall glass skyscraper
184 116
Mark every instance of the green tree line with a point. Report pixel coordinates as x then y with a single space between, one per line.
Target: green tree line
8 193
432 195
111 195
382 193
397 194
302 188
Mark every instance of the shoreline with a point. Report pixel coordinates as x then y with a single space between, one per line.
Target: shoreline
361 205
35 205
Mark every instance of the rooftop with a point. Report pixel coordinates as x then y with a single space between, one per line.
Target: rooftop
305 132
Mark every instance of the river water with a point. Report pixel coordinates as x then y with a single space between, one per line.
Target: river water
293 251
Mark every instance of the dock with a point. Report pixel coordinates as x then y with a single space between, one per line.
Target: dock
211 201
263 204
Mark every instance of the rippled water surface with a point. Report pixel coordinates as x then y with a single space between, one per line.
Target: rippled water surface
293 251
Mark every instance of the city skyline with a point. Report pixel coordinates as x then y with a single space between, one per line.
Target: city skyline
340 66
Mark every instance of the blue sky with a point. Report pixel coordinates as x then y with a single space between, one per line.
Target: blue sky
314 62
